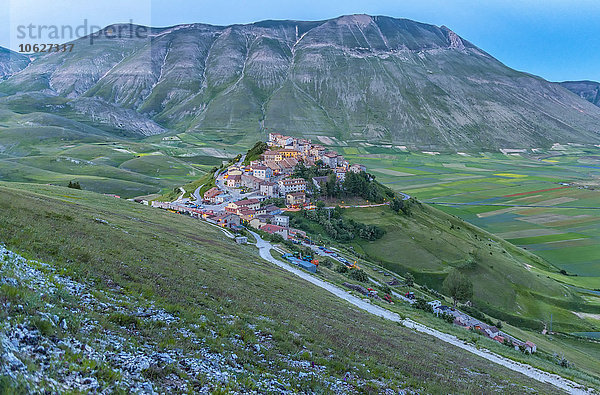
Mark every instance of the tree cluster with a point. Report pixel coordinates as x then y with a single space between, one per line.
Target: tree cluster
363 185
459 287
336 226
74 185
404 206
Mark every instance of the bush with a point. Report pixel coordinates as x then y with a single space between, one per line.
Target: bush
359 275
75 185
341 269
421 304
449 318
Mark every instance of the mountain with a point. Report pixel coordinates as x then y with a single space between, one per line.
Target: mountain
588 90
355 78
11 62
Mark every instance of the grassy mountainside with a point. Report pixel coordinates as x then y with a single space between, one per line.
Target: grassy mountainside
199 276
354 78
509 283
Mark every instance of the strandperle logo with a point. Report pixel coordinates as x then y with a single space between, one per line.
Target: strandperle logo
63 33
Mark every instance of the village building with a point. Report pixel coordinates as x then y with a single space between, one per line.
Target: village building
262 172
272 209
330 159
222 198
357 168
274 166
272 156
275 229
287 166
340 174
252 204
291 185
211 194
295 199
250 181
288 153
317 151
281 220
234 181
268 189
226 220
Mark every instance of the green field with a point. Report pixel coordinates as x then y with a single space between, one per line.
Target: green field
568 238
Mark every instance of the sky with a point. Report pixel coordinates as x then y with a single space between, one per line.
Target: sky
556 39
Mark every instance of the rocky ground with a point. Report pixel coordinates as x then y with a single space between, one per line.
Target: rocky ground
59 335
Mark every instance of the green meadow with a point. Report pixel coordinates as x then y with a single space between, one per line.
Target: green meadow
564 231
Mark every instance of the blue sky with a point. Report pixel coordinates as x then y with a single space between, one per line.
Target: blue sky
556 39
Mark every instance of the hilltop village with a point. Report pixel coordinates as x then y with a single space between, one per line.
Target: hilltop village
259 191
256 191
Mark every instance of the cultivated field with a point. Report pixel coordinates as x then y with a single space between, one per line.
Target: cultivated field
490 189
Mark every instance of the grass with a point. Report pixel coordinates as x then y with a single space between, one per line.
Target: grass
578 351
495 178
194 270
430 243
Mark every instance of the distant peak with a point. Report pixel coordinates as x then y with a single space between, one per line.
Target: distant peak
358 19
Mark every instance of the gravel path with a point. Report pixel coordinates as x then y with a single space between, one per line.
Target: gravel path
529 371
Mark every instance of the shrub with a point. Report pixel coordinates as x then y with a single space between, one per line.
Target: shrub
45 327
341 269
449 318
421 304
74 185
359 275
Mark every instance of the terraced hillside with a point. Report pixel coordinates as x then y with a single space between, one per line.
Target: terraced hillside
345 80
185 296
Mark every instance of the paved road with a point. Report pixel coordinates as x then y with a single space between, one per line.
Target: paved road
529 371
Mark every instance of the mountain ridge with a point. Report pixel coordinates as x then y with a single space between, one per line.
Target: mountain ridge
586 89
354 78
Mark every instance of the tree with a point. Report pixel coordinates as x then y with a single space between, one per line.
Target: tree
422 304
74 185
409 280
459 287
359 275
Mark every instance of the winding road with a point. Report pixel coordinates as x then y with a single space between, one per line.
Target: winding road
571 387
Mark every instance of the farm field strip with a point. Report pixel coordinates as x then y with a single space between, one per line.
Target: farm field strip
522 198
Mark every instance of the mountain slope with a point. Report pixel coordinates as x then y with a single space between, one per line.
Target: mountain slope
11 62
588 90
167 300
356 78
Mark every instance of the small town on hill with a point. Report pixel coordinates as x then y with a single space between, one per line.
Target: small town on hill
288 174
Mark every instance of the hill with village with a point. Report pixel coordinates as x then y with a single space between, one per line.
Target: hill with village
358 205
